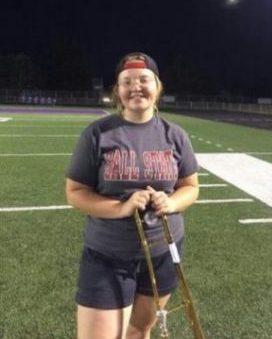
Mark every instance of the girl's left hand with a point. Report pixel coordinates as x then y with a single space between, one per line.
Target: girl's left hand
161 202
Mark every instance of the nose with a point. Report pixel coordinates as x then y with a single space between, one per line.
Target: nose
135 84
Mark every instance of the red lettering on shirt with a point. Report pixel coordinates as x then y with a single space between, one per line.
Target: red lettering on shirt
157 165
160 165
121 165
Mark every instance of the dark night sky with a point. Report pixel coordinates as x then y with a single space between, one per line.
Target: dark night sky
232 43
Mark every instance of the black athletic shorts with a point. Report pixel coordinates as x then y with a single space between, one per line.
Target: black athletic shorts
107 283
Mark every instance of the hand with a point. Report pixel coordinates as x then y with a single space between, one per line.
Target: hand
161 202
138 200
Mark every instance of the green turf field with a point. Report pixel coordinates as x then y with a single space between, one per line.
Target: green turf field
227 264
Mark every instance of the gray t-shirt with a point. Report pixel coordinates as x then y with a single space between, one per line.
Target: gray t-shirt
117 158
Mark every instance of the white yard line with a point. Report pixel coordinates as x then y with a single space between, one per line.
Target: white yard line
39 135
213 185
78 126
255 221
63 207
252 175
56 119
203 174
5 119
260 153
34 208
222 201
33 154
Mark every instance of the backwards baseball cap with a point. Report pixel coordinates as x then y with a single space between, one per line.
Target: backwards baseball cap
137 60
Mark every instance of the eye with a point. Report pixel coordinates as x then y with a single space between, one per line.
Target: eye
125 82
142 80
145 80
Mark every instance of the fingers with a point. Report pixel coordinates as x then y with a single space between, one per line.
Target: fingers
150 189
156 197
159 198
140 199
161 202
161 209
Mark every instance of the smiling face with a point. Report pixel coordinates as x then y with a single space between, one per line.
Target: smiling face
138 91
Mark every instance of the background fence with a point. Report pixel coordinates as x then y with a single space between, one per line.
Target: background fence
174 102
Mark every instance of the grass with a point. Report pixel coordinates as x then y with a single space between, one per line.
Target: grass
227 264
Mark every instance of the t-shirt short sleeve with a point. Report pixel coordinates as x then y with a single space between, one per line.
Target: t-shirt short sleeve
187 164
82 166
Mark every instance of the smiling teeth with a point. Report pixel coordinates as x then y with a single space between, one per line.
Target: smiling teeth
137 96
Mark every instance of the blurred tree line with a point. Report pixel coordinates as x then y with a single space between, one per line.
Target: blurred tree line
64 66
183 76
17 71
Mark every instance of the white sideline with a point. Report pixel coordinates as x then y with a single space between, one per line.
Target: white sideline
255 221
252 175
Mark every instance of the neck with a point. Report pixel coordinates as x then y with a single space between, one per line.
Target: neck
138 117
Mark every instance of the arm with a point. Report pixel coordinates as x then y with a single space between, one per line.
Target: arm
185 194
87 200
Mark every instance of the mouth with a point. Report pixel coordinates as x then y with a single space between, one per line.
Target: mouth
137 96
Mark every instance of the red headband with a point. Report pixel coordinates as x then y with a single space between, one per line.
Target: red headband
137 60
135 64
